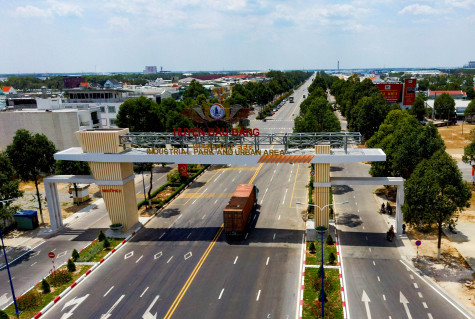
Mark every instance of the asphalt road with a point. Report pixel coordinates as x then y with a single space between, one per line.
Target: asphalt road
28 266
181 266
379 283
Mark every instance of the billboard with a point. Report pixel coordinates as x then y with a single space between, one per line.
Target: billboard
390 91
183 169
409 91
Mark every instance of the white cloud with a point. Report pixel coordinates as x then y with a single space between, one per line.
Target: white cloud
418 9
65 9
31 12
460 3
119 22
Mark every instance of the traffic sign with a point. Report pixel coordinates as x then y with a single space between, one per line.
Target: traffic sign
312 173
418 243
51 255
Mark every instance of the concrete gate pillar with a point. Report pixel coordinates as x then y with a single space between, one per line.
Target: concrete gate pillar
322 189
54 206
119 195
399 203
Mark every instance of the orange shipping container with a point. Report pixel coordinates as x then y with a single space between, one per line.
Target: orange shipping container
237 212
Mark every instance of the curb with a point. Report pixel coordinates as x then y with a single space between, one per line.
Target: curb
302 286
340 270
80 279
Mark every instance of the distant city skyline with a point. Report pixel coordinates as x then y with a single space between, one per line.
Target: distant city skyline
52 36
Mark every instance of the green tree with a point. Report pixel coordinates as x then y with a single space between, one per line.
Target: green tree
329 240
140 115
470 110
106 243
101 236
418 108
45 286
311 248
73 168
435 193
444 106
8 189
470 93
75 255
3 315
371 112
331 258
32 156
194 89
71 266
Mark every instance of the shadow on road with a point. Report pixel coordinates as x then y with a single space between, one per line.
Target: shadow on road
350 220
374 239
341 189
336 168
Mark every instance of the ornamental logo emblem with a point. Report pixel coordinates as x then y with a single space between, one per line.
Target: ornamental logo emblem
217 111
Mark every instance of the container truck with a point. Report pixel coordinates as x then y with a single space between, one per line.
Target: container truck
238 213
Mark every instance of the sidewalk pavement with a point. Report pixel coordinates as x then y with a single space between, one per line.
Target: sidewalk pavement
463 241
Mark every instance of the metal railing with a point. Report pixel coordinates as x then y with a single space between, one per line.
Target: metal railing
287 140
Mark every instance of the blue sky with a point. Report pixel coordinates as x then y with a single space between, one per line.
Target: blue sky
125 35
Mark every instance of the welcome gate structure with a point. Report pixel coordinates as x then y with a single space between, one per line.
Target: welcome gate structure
112 152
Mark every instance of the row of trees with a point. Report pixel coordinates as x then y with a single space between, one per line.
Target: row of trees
316 113
460 80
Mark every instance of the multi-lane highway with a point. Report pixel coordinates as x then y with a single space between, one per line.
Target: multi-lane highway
180 264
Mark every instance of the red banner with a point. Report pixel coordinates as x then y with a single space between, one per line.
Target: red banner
390 91
183 169
409 91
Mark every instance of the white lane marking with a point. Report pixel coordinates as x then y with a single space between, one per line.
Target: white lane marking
379 279
162 235
178 217
415 285
374 264
234 179
235 260
157 255
354 196
369 249
194 201
203 217
430 316
358 210
33 264
129 254
255 216
273 237
224 190
363 227
188 235
108 313
108 291
215 201
425 305
278 218
246 235
283 199
419 294
356 203
148 314
169 259
143 293
258 295
366 237
429 284
221 294
53 249
267 262
188 255
264 195
205 190
411 276
139 259
384 297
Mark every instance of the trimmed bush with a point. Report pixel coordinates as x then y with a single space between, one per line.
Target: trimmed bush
45 286
330 240
331 258
60 277
101 236
320 272
3 315
311 248
71 266
29 300
75 255
106 243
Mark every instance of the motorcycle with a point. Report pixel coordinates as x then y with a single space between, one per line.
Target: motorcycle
390 234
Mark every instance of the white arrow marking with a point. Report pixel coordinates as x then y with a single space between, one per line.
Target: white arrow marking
148 314
187 255
108 313
61 254
4 299
404 301
157 255
366 301
128 255
76 302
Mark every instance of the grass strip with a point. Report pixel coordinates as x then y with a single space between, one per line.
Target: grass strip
312 307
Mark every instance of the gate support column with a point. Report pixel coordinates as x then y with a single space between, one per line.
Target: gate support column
399 203
322 189
54 208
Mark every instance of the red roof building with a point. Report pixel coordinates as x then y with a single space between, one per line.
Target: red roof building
454 94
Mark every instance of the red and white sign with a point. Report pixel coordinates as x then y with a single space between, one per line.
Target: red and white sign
111 190
51 255
409 91
391 92
183 169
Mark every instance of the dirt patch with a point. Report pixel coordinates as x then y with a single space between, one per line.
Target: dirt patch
456 138
165 193
451 272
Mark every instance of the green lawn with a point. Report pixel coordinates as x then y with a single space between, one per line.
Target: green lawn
311 305
47 298
315 258
95 252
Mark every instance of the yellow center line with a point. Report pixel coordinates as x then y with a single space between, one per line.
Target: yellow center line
293 189
190 279
298 104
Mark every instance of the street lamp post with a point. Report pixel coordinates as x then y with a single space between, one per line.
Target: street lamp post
321 230
17 312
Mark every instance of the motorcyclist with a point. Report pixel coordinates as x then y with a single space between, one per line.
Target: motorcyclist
391 229
382 208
